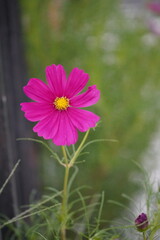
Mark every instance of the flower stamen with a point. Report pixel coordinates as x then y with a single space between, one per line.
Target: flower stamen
61 103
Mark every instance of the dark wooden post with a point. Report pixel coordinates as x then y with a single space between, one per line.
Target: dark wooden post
12 122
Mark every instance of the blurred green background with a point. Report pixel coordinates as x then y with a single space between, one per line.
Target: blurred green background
122 58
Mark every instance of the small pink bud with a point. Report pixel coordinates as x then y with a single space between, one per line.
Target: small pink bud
141 222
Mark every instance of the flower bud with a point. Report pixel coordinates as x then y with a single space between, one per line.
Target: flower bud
141 222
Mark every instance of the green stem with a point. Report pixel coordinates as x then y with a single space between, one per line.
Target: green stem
67 165
78 150
153 232
65 196
144 236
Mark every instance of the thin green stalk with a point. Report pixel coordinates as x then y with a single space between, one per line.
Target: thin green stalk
153 232
28 211
144 236
44 144
78 150
29 215
100 211
9 177
64 209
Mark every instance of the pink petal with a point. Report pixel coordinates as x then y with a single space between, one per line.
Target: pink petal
56 78
35 111
38 91
66 133
82 119
90 97
77 80
48 127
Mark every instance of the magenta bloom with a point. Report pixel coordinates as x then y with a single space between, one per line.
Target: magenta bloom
141 222
57 106
154 7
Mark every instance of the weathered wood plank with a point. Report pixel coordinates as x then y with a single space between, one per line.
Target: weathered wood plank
12 122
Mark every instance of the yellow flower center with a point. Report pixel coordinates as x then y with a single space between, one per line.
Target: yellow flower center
61 103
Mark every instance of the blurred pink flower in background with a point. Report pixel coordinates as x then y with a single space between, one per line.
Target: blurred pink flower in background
154 22
154 6
154 26
57 105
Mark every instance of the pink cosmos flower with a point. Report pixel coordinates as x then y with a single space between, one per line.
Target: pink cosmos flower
57 106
